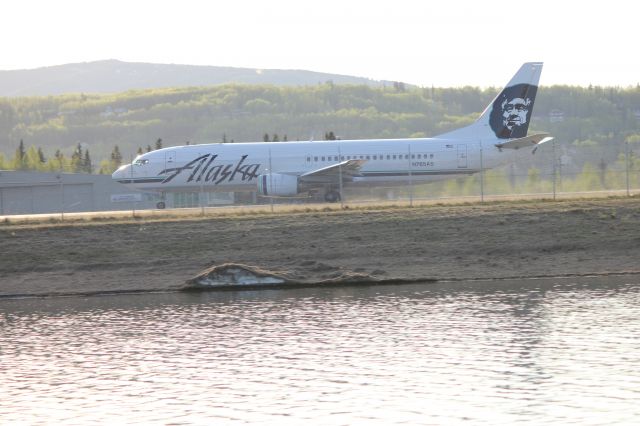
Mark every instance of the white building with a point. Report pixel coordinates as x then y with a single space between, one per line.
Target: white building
24 192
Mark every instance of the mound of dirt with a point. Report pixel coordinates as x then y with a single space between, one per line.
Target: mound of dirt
232 275
236 274
390 245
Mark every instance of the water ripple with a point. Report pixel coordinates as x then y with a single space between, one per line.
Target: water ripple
552 352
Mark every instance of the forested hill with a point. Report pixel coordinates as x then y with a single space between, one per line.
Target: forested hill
113 76
596 120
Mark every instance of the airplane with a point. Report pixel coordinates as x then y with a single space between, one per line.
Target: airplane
294 169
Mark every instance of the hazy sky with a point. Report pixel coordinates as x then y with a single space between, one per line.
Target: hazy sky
440 43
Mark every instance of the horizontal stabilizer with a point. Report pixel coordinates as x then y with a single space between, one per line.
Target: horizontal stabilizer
532 140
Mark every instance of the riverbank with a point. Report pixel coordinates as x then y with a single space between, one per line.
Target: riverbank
452 242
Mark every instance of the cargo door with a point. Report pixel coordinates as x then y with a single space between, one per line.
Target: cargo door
462 156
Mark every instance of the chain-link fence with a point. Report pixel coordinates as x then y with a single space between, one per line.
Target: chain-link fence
555 171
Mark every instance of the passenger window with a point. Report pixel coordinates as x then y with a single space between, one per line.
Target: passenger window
368 157
388 157
413 156
315 159
323 159
308 159
375 157
394 157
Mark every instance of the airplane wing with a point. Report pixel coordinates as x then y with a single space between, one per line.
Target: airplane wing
348 169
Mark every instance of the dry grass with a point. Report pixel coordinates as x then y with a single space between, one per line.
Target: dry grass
226 212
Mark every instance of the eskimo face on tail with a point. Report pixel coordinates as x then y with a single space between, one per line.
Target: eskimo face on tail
514 112
511 111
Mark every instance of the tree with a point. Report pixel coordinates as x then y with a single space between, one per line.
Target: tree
329 136
57 163
116 157
21 150
265 138
32 159
589 114
224 138
19 158
76 159
140 150
159 143
41 156
86 162
275 138
105 167
148 148
602 168
399 86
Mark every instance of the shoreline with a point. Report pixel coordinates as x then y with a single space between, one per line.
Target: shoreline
253 287
468 242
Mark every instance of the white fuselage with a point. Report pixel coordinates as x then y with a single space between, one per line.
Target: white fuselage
292 168
236 166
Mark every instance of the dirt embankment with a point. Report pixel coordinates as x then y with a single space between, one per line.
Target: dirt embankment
529 239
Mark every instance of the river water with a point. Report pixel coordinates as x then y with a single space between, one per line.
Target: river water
561 351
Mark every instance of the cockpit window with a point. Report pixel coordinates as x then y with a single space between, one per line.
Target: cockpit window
140 162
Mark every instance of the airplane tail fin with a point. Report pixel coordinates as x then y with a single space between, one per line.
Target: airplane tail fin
509 114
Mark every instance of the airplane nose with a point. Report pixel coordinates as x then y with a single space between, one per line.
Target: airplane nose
123 172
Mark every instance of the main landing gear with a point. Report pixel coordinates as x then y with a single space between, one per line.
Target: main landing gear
161 204
332 196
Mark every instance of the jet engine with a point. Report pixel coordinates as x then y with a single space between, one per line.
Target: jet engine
277 185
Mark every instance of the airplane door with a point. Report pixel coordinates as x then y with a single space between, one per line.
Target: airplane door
462 156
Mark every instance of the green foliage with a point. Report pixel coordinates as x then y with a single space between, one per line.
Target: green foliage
587 180
633 139
116 159
87 167
533 180
497 182
32 160
593 119
585 143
